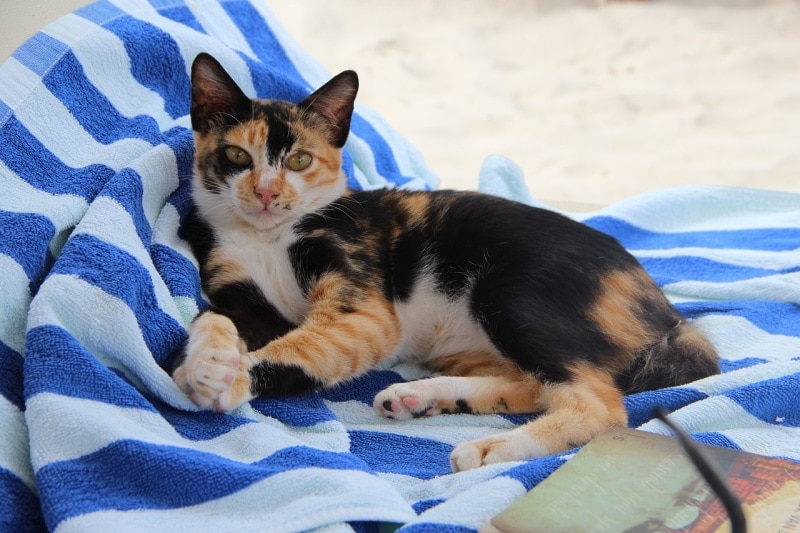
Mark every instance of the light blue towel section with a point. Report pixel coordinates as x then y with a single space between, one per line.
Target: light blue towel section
98 287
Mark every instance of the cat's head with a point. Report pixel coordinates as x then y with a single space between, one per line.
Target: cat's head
266 162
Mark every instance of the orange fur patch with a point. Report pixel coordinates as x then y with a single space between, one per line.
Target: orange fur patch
226 272
619 316
344 334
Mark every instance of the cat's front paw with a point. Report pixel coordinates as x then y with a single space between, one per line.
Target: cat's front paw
214 374
514 445
403 401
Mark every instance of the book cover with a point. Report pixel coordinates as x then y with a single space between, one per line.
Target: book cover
627 480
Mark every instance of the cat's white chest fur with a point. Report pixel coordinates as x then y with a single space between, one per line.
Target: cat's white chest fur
269 266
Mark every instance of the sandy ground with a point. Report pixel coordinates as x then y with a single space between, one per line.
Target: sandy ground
595 100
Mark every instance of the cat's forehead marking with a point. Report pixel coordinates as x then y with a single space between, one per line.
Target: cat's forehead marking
279 118
250 135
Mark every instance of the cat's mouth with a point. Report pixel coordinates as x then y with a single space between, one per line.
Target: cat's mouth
268 217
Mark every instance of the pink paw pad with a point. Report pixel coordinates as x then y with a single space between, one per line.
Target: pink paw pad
412 402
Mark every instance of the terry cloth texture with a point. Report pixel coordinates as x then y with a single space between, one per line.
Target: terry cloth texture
97 290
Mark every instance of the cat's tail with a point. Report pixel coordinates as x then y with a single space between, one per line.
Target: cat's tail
680 356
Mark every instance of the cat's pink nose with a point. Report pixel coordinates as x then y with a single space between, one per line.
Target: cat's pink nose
266 194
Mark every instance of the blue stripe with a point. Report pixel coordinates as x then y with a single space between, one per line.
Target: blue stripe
33 162
179 274
163 477
11 376
532 472
370 527
5 113
423 505
121 275
684 268
303 410
20 510
775 401
747 362
67 81
40 52
642 407
156 62
348 167
25 238
398 454
435 527
177 12
384 156
715 439
634 237
274 75
126 188
363 388
776 318
100 12
200 425
55 362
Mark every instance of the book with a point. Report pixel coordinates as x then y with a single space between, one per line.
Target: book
626 480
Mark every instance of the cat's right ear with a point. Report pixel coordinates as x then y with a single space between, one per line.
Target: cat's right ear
214 93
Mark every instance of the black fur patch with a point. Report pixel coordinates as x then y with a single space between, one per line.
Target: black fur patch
462 406
272 380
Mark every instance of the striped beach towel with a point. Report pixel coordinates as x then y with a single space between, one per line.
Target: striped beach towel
98 288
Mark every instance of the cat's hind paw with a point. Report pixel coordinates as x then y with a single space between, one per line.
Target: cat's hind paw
514 445
403 401
214 374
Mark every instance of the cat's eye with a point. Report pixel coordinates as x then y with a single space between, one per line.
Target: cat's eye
299 161
237 156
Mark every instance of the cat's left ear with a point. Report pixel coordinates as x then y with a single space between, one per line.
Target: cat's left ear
334 101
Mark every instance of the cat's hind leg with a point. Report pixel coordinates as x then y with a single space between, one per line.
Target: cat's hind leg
214 373
577 410
456 394
475 382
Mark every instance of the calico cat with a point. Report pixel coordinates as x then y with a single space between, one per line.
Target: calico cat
518 309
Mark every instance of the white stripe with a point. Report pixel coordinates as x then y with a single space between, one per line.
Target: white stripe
743 377
158 170
190 43
107 328
109 72
165 231
291 501
706 208
414 489
86 426
778 288
123 235
187 308
14 453
218 24
15 298
63 210
473 507
731 419
773 260
17 84
460 427
737 338
57 128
